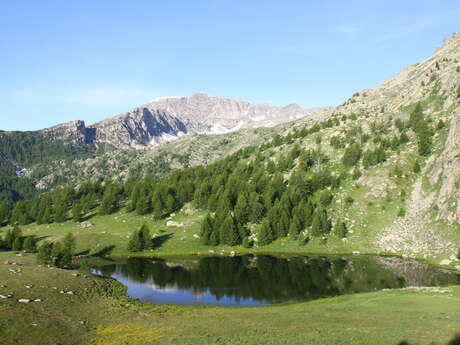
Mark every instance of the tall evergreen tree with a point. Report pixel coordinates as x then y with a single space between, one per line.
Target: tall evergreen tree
4 213
77 212
340 229
265 234
207 228
296 226
29 244
44 253
60 211
229 232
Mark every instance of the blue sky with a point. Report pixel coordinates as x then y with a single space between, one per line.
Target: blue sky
89 60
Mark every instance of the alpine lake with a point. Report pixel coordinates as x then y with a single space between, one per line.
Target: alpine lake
257 280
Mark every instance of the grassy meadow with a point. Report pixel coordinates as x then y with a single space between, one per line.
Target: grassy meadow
97 312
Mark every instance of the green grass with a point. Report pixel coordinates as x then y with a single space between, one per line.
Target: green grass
417 315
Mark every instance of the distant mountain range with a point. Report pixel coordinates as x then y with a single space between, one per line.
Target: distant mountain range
167 119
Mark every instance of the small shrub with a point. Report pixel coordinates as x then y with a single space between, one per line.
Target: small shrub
349 200
401 212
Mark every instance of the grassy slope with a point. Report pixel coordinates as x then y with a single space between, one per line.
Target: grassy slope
420 316
114 230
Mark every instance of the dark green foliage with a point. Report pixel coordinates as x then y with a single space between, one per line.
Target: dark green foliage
247 243
29 245
403 138
296 227
401 212
321 225
336 142
140 240
60 212
440 125
17 244
21 213
69 243
374 157
325 198
303 240
5 212
77 212
229 234
340 229
349 200
352 155
207 228
110 199
13 239
59 254
26 149
265 235
44 253
242 209
421 127
356 174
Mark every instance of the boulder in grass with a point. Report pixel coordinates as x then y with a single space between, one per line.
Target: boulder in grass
24 300
171 223
86 224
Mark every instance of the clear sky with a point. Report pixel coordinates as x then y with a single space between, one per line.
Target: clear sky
89 60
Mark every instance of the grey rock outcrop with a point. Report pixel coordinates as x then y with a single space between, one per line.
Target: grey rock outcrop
167 119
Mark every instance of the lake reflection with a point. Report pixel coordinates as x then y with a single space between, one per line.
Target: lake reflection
254 280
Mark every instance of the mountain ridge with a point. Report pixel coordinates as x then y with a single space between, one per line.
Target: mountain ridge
168 118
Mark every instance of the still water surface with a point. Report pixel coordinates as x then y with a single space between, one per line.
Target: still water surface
255 280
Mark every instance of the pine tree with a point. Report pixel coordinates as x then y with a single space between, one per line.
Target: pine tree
145 237
44 253
77 212
157 208
416 168
242 209
283 225
229 232
110 199
207 227
316 224
309 213
265 235
60 212
68 243
143 205
56 254
21 213
17 244
4 213
134 243
29 245
257 208
340 229
296 227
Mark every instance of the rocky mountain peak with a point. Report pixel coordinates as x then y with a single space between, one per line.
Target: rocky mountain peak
168 118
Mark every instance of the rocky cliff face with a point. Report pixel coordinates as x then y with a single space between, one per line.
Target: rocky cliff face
74 132
167 119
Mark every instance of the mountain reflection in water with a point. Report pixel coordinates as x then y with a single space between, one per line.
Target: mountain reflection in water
253 280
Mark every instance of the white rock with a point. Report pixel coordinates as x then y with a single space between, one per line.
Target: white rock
445 262
196 236
86 224
171 223
24 300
